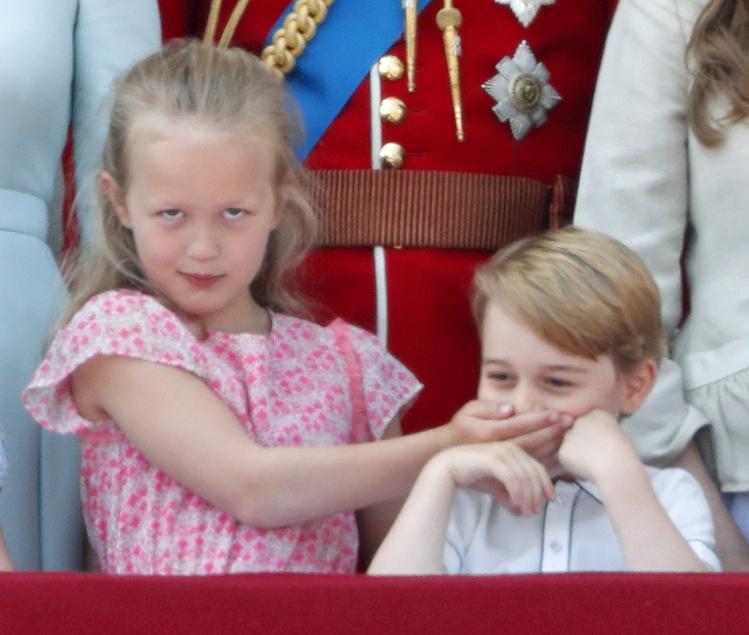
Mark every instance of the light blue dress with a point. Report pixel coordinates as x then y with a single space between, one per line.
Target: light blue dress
3 463
57 62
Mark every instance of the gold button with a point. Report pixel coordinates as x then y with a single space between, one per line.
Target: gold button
392 110
390 67
392 155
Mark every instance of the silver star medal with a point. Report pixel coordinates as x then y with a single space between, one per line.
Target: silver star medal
522 91
525 10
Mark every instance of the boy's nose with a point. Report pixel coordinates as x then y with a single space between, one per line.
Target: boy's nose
526 399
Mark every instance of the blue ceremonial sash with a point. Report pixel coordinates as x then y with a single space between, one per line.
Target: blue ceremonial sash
354 34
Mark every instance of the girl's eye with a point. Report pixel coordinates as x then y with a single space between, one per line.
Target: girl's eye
232 213
171 214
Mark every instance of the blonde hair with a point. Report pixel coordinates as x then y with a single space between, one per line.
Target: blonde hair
581 291
232 90
718 56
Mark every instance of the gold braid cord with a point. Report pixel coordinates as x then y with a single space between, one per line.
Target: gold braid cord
287 43
298 28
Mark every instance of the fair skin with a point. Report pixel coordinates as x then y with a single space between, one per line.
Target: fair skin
201 204
6 564
521 368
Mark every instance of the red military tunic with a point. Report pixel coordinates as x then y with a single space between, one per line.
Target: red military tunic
424 312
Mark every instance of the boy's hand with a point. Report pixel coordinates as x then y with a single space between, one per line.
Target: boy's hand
538 433
502 469
594 444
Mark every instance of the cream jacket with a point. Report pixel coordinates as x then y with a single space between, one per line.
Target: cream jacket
648 181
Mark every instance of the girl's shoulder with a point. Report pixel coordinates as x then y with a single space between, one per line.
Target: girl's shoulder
121 302
119 323
122 322
124 312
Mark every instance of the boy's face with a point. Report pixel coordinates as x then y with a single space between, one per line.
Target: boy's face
520 368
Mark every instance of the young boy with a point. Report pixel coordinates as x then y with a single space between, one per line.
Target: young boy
569 321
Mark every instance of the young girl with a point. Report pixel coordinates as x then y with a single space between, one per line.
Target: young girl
569 319
202 215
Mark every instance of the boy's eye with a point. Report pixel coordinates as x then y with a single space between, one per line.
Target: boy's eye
232 213
499 376
557 382
171 214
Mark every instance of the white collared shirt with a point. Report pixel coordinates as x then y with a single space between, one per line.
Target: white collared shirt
572 533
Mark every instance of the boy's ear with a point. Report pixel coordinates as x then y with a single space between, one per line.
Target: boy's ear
114 193
637 385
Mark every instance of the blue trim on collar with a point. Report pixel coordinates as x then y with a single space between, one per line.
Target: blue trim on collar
338 58
590 489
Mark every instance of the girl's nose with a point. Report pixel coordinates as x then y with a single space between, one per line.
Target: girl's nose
203 245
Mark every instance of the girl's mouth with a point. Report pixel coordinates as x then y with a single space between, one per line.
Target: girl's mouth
201 280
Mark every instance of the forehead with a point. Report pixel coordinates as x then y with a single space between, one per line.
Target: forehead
505 337
167 150
160 127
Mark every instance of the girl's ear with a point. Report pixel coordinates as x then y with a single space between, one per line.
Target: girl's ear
114 193
637 384
282 197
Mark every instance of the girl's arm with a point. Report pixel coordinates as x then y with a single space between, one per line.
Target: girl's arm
6 564
182 428
416 542
375 521
596 449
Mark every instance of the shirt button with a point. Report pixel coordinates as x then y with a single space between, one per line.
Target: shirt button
556 547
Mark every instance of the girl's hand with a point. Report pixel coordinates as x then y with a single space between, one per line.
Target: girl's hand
594 444
538 433
502 469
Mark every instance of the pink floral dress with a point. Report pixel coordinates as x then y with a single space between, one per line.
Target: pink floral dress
301 385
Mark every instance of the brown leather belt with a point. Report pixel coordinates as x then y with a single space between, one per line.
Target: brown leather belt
455 210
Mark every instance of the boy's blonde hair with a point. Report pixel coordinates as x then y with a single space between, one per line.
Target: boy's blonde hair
234 91
581 291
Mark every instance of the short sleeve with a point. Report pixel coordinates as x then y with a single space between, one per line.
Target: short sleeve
118 323
388 386
686 505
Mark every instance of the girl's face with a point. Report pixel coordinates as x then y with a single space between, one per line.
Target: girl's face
520 368
201 204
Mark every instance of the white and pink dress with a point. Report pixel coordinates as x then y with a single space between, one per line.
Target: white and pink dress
300 385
